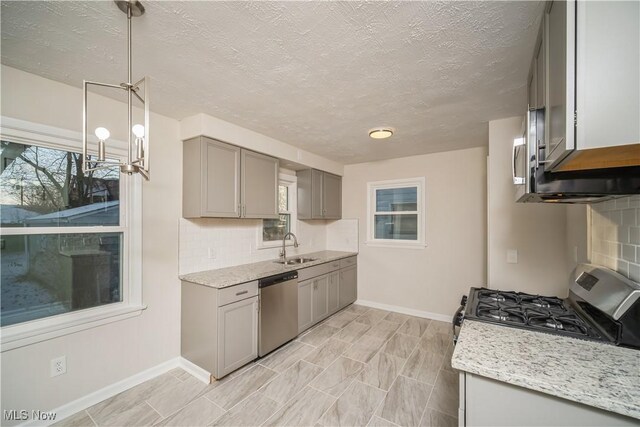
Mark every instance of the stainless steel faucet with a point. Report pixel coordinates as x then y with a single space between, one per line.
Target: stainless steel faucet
283 252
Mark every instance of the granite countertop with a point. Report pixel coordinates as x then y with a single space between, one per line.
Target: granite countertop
592 373
229 276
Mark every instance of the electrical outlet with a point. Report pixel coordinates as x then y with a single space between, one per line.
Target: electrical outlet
58 366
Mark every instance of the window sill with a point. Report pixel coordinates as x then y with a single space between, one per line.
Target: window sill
23 334
412 245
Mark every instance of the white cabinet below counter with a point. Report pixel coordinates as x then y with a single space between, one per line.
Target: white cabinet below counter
324 289
219 326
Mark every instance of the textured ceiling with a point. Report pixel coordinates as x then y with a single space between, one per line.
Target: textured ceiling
317 75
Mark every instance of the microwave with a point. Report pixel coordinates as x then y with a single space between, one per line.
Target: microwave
533 184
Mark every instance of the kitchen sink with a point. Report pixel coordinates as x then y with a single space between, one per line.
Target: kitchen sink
295 261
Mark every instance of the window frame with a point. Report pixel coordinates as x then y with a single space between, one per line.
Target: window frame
291 182
32 331
372 187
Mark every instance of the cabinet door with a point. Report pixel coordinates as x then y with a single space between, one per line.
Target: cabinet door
560 53
320 298
259 185
237 335
305 305
608 74
317 207
348 285
221 179
334 292
540 87
332 196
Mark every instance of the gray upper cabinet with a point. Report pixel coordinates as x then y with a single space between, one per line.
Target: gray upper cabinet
319 195
224 181
259 178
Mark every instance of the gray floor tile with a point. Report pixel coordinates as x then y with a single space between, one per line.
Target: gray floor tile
180 374
337 377
381 370
128 399
200 412
290 382
354 407
433 418
305 409
423 365
80 419
355 308
328 352
170 399
447 360
341 319
352 332
436 342
286 356
397 317
319 335
376 421
436 326
364 348
371 317
405 402
139 415
232 392
400 345
252 411
414 326
445 395
383 329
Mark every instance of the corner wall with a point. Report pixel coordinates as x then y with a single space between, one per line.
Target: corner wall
537 231
434 278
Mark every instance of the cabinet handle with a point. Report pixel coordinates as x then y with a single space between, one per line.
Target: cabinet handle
241 293
335 265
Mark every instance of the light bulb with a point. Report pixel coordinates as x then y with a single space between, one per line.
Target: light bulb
138 130
102 133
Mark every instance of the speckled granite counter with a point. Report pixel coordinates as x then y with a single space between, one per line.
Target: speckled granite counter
229 276
595 374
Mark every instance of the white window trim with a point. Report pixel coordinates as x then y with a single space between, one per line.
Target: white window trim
290 181
418 182
25 333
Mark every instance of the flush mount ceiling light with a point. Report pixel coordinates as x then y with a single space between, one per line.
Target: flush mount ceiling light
381 133
138 139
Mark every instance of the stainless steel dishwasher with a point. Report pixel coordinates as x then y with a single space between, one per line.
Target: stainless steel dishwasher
278 311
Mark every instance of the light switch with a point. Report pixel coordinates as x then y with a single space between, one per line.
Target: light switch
512 256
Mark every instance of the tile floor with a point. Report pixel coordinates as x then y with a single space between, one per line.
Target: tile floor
360 367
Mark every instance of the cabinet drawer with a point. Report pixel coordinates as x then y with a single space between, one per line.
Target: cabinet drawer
334 265
348 262
237 293
315 271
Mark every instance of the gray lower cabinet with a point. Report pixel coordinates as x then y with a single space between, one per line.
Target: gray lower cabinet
305 305
320 298
484 402
237 335
333 298
222 180
348 285
219 327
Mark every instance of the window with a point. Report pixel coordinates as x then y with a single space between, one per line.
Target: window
65 238
273 230
396 213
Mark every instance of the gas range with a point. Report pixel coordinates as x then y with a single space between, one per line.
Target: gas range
602 306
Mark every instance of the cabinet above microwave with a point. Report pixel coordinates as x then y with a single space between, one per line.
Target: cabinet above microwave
584 74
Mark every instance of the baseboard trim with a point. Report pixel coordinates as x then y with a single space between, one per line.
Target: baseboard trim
91 399
403 310
195 370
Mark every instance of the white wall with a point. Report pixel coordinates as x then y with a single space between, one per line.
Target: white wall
106 354
537 231
434 278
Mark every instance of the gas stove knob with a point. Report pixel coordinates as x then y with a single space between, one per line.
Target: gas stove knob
463 301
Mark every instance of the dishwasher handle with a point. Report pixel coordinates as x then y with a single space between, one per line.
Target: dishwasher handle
278 278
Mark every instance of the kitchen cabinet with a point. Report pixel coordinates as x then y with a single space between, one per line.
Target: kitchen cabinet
591 88
320 298
333 298
348 285
305 305
319 195
484 401
224 181
219 327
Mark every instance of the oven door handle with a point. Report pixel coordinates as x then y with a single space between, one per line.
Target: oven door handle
457 321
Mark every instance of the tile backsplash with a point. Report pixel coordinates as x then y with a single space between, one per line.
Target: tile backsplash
210 243
615 235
